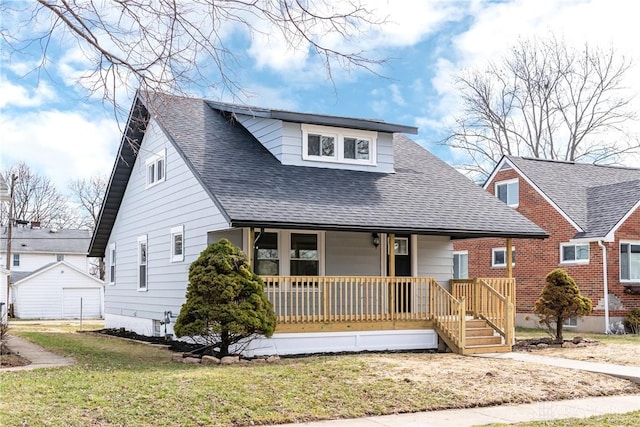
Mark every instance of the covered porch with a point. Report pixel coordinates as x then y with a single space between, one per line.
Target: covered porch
338 283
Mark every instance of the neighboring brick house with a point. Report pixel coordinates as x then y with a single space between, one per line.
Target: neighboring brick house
590 212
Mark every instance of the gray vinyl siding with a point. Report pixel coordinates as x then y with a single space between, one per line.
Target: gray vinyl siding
351 254
179 200
267 131
435 258
234 235
284 141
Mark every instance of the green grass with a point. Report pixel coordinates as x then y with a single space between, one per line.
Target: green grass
629 419
116 382
527 333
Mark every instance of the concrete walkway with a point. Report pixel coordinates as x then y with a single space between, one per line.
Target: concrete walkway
39 357
541 411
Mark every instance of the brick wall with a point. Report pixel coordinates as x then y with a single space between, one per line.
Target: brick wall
536 258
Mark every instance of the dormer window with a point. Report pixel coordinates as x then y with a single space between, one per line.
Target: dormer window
326 144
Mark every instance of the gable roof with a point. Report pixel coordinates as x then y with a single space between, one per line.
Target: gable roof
18 278
252 188
595 198
42 240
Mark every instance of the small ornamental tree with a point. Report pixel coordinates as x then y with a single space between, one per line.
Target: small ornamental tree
560 300
225 300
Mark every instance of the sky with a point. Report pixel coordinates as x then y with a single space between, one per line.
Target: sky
54 125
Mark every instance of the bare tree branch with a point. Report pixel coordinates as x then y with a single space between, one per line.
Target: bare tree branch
545 100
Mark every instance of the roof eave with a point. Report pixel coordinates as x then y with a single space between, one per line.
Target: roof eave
454 234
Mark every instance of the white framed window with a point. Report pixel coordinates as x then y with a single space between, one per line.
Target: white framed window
177 243
156 168
112 264
142 263
499 257
266 254
571 253
461 265
327 144
571 322
629 261
16 260
507 191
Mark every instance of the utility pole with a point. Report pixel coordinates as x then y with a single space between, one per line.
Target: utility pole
9 233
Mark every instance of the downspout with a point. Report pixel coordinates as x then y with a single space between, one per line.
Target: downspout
607 329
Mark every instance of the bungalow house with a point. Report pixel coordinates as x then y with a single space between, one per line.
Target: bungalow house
592 215
349 223
49 273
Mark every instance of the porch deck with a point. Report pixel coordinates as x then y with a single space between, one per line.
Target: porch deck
367 303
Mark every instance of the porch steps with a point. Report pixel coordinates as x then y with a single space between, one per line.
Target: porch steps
480 338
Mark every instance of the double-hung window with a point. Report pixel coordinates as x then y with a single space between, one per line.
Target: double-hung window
323 143
112 264
499 257
16 260
156 168
142 263
507 191
575 254
267 262
304 260
630 261
461 265
177 244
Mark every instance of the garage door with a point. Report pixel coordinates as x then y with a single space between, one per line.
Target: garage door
72 298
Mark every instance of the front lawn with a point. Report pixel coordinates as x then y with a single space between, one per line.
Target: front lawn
117 382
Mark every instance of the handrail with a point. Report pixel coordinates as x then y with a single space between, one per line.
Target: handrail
493 305
448 314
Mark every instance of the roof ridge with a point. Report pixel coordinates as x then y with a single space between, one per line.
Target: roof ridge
572 162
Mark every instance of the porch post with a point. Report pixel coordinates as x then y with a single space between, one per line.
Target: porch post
509 259
392 273
251 248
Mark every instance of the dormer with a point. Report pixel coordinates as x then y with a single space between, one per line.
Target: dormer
322 141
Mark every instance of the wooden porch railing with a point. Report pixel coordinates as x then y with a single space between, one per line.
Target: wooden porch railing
490 299
298 299
448 314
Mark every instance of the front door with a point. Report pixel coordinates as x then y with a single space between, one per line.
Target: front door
403 269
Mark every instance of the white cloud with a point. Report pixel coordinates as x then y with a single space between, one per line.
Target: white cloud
60 145
19 96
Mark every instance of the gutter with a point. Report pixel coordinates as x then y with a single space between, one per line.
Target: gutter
607 328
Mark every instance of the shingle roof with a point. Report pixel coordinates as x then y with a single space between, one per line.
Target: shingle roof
25 240
595 197
252 188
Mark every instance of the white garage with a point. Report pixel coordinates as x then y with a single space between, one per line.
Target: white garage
58 291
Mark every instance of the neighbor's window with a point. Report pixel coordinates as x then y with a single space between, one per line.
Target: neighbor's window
156 165
571 322
499 257
338 145
177 243
16 260
267 262
304 260
507 191
630 261
571 253
461 265
112 264
142 263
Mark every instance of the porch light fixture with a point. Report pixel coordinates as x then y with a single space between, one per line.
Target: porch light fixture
375 239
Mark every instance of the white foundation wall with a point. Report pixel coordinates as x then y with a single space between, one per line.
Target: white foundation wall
138 325
336 342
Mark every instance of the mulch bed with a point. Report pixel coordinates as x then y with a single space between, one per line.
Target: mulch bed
542 343
171 344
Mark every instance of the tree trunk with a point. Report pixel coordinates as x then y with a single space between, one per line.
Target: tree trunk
559 337
224 343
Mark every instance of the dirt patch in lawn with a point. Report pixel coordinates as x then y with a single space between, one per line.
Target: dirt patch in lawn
12 360
485 380
583 349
